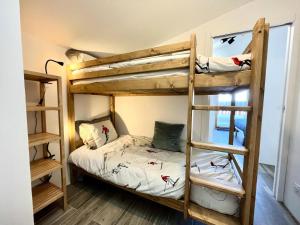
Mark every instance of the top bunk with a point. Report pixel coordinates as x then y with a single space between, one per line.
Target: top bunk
163 70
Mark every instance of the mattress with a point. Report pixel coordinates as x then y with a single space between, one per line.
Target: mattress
203 65
131 162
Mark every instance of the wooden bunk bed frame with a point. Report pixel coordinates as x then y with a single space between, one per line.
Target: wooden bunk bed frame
192 84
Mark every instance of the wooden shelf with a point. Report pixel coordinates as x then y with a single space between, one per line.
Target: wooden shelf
36 76
42 138
45 194
35 108
209 216
218 185
42 167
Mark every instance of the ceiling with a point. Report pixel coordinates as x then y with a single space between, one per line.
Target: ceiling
117 25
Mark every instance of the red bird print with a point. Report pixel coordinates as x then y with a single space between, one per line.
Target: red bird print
240 63
169 181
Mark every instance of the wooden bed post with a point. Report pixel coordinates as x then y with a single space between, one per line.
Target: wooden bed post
191 81
258 69
112 109
71 123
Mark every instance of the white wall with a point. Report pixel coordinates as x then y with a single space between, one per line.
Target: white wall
242 19
136 115
15 188
35 54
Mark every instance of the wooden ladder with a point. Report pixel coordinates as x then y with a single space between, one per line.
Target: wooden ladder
250 153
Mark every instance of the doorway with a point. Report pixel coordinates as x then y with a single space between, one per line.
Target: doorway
274 104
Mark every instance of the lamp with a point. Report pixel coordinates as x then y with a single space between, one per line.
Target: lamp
52 60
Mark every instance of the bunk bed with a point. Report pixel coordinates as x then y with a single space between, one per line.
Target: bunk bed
174 74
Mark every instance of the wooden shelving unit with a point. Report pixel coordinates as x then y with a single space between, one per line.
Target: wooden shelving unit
46 193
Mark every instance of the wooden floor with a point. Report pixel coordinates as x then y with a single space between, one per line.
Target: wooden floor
94 203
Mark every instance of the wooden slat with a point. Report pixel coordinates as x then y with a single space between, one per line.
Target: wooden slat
41 138
211 217
36 76
182 46
236 165
42 167
222 108
218 185
45 194
220 148
61 141
41 108
157 66
112 109
258 68
189 124
170 84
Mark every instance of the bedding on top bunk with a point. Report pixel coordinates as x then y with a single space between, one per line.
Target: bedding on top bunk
203 65
130 161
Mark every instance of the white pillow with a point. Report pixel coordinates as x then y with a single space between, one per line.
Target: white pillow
97 134
86 131
105 133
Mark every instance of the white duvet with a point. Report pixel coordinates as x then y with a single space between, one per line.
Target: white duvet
130 161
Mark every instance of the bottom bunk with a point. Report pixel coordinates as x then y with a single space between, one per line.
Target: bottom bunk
132 164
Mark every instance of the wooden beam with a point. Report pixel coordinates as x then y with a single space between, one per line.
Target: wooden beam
172 84
151 67
62 141
71 114
237 166
211 217
258 68
43 115
166 49
112 107
189 124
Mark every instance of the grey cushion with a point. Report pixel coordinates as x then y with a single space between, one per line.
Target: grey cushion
78 140
167 136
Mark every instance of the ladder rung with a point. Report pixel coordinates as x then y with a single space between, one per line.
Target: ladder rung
220 148
222 108
209 216
218 185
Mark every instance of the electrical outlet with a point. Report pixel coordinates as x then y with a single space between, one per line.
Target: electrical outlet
297 187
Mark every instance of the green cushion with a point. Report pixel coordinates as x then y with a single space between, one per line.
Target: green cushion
167 136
